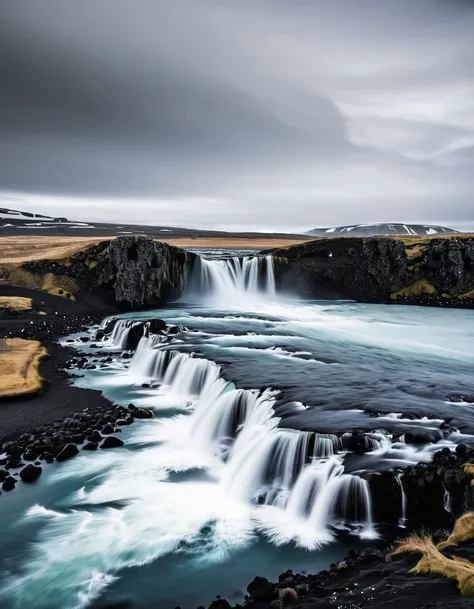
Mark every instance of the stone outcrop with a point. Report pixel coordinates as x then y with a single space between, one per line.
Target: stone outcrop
132 272
410 270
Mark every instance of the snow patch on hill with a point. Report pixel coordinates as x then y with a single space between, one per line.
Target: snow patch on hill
369 230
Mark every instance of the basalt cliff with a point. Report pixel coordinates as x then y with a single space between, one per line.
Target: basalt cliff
130 272
410 270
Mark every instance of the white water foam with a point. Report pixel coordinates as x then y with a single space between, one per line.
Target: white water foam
127 510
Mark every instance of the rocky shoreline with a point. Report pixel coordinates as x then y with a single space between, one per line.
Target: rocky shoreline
369 578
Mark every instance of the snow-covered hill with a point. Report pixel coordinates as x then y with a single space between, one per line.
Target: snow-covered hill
29 220
368 230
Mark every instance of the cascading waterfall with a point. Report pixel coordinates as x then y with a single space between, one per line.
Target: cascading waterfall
299 473
403 518
232 280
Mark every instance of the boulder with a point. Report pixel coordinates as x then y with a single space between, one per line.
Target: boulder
262 591
141 413
9 484
356 442
423 436
90 446
70 450
111 442
95 436
30 473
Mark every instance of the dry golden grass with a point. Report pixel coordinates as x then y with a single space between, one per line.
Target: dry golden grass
15 303
19 363
15 250
432 562
233 242
463 531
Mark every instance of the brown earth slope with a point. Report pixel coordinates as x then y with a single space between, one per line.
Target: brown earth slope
19 365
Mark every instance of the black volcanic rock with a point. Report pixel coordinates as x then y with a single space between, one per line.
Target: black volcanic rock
145 272
261 590
9 484
111 442
410 270
131 271
70 450
30 473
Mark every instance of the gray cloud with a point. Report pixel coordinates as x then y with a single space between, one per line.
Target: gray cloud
249 113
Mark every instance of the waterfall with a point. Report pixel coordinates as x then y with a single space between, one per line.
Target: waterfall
119 336
298 473
403 519
184 373
326 445
150 362
232 279
447 500
126 334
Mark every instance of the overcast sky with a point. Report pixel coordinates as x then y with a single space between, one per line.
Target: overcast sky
259 114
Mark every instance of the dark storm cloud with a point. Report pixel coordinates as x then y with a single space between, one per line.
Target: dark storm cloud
233 113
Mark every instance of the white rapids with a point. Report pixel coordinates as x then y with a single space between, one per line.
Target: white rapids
288 485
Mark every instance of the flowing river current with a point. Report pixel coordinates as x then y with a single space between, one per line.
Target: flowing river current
247 467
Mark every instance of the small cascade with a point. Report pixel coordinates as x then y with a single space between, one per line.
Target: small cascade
231 280
127 333
190 375
119 335
184 373
149 361
325 496
297 472
447 500
403 519
326 445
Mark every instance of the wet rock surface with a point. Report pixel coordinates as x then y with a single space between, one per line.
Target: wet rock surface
437 272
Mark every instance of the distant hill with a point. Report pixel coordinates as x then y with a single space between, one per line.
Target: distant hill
14 222
372 230
29 220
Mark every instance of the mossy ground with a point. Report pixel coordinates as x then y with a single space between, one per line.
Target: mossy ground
417 288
